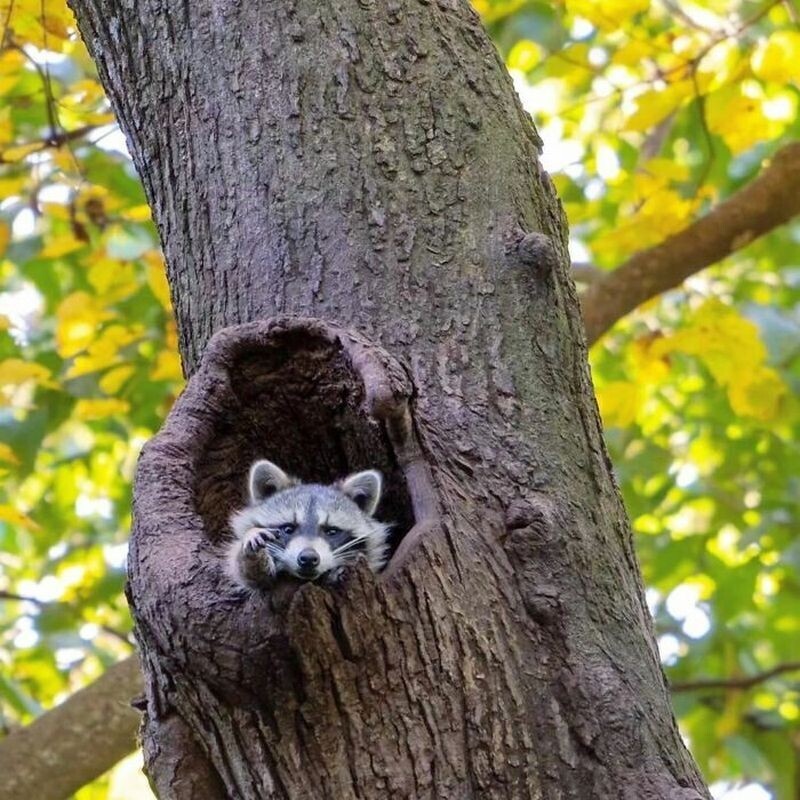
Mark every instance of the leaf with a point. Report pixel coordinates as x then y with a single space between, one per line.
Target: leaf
16 517
78 317
495 10
157 278
619 403
777 58
100 408
105 350
14 373
62 245
167 367
524 56
653 105
115 379
738 114
607 14
758 395
18 152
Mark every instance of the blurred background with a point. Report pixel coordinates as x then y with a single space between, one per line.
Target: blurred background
651 112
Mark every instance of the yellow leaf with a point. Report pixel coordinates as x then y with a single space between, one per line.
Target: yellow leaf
654 105
658 216
607 15
778 57
167 367
18 152
619 403
62 245
78 318
157 278
105 350
723 64
758 394
18 379
14 372
112 280
731 347
6 126
137 213
11 61
666 169
5 236
7 454
46 25
15 517
743 116
632 53
647 366
11 186
89 409
115 379
524 55
495 10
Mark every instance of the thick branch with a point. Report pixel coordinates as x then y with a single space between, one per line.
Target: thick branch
74 743
767 202
741 683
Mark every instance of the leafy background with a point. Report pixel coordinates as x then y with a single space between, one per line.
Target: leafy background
651 112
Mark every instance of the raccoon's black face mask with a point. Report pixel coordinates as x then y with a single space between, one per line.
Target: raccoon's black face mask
310 529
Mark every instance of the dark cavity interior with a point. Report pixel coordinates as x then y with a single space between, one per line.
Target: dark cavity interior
298 404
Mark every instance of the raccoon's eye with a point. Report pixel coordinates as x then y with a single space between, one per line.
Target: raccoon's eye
287 529
333 532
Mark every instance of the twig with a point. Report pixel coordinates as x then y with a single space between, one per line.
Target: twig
55 140
738 683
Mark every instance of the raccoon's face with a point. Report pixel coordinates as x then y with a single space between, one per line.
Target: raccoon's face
311 528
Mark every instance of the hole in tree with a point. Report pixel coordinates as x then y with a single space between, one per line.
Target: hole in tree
299 403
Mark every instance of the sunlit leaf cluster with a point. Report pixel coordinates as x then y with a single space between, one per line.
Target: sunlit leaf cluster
651 112
88 362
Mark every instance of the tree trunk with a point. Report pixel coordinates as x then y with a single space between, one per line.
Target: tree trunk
368 164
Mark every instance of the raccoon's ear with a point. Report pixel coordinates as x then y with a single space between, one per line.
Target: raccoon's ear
364 489
265 479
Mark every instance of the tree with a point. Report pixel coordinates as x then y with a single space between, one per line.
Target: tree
729 521
371 166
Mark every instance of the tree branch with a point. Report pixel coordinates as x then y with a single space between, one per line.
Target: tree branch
75 742
583 272
53 139
740 683
770 200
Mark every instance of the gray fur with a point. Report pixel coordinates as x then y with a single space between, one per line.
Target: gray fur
261 549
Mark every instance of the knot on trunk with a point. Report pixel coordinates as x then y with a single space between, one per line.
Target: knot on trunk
321 402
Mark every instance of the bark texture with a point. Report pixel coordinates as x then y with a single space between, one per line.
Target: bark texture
368 164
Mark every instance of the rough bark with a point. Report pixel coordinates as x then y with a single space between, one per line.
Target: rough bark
76 742
368 163
767 202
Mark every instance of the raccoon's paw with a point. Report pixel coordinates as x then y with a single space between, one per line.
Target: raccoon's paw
339 575
257 539
335 575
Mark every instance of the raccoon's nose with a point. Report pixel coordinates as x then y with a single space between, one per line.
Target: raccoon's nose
308 560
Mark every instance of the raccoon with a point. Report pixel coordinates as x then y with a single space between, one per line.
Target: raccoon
305 529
